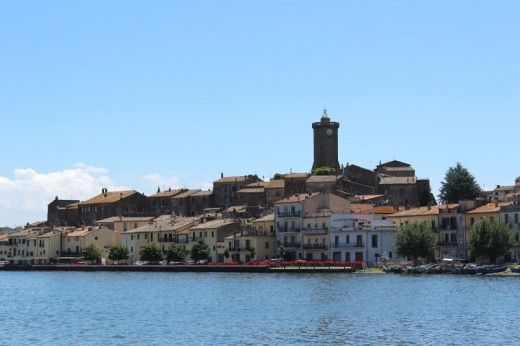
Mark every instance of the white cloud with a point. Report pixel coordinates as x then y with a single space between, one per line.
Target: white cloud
155 180
25 196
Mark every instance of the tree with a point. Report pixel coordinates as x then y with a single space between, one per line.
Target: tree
151 253
279 176
459 184
491 239
200 251
415 240
118 253
226 254
175 253
91 253
323 171
253 253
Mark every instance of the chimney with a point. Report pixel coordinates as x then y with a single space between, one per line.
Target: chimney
221 175
104 191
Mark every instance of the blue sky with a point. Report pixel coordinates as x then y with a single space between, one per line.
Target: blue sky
141 94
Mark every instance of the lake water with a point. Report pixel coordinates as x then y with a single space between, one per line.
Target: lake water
78 308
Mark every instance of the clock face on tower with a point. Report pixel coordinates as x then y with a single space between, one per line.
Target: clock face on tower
329 132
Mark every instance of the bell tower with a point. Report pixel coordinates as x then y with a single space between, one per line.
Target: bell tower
325 143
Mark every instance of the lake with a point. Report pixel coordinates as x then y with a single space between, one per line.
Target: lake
82 308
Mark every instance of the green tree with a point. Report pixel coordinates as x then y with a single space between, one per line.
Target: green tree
279 176
226 254
415 240
491 239
151 253
118 253
175 253
323 171
253 253
200 251
459 184
91 253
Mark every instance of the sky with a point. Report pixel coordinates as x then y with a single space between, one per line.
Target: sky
147 94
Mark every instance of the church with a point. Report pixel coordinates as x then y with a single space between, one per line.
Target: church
390 183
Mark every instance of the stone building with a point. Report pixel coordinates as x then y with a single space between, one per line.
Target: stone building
225 189
60 213
325 143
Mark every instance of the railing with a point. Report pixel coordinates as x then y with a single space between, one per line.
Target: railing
315 246
239 249
288 230
315 231
348 245
288 244
289 214
447 243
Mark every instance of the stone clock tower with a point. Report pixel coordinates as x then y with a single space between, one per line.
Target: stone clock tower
325 143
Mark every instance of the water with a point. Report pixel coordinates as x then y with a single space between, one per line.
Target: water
62 308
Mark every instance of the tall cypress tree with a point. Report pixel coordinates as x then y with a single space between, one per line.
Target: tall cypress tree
459 184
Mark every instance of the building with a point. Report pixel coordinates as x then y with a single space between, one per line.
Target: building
200 201
60 213
304 219
120 224
510 215
75 241
181 203
161 203
225 189
325 143
111 203
213 233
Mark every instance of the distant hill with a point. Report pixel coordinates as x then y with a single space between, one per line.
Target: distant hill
6 229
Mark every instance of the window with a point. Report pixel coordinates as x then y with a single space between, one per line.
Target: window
402 191
213 234
374 240
472 221
95 238
267 245
516 218
506 218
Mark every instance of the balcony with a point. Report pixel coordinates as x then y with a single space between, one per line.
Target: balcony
447 243
315 246
289 214
315 231
239 249
289 230
348 245
291 245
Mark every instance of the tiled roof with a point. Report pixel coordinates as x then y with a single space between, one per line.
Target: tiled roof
275 184
248 190
369 197
185 194
397 181
202 193
362 208
505 188
297 197
238 179
237 208
167 193
79 233
213 224
296 175
269 217
398 169
424 211
489 208
111 197
323 178
385 209
124 219
257 184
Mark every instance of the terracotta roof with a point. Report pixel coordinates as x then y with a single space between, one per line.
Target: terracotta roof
397 181
423 211
167 224
489 208
269 217
80 233
296 175
49 234
385 209
238 179
167 193
275 184
248 190
111 197
124 219
213 224
185 194
362 208
257 184
202 193
297 198
398 169
323 178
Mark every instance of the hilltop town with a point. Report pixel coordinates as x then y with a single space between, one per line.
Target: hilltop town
347 213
